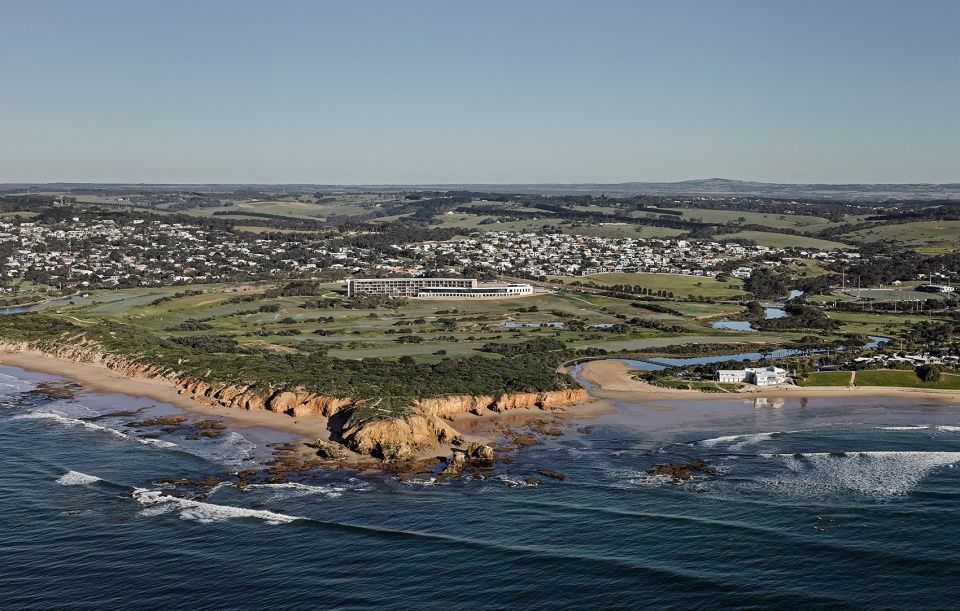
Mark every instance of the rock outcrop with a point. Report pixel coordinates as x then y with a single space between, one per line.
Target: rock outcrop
398 438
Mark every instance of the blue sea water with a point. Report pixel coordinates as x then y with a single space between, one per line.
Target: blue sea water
817 503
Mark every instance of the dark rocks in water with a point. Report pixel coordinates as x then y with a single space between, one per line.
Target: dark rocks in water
209 424
126 413
168 429
209 428
680 472
209 482
557 476
529 481
161 421
177 494
585 430
454 466
409 470
282 467
523 439
538 426
243 476
56 390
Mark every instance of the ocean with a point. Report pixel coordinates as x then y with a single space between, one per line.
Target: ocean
816 503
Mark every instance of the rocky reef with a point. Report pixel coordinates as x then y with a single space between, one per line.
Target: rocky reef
679 472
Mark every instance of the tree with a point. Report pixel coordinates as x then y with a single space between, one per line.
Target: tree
929 373
765 283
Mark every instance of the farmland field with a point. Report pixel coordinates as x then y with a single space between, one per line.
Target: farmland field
927 234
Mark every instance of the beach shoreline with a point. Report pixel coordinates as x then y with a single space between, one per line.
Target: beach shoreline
613 381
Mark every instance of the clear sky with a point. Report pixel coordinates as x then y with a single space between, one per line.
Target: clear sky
449 91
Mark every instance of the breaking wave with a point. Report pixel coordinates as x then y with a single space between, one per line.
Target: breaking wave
742 440
92 426
156 503
881 474
75 478
295 489
922 427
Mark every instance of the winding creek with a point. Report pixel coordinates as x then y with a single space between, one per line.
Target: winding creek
658 363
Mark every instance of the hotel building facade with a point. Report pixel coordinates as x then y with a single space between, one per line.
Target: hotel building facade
449 288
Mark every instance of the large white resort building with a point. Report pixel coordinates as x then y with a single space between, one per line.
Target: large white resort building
436 287
760 376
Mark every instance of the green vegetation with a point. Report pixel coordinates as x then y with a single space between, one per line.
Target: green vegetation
826 378
905 379
679 285
933 236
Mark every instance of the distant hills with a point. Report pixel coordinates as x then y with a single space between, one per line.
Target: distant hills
713 187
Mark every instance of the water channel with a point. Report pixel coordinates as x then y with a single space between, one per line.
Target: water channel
769 312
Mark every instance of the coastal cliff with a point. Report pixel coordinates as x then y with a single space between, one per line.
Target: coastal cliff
368 431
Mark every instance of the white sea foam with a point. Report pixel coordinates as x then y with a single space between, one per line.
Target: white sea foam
290 489
156 503
743 440
923 427
232 448
631 478
514 482
871 473
420 482
75 478
156 442
718 440
159 443
70 422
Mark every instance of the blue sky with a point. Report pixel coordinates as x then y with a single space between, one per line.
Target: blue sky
368 92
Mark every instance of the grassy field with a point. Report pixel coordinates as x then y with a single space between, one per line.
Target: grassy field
764 238
786 221
905 379
826 378
938 235
448 327
872 323
678 284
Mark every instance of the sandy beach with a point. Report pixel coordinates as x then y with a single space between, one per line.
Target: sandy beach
614 381
97 378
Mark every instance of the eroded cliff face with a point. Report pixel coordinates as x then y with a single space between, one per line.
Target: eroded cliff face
446 407
421 429
400 437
